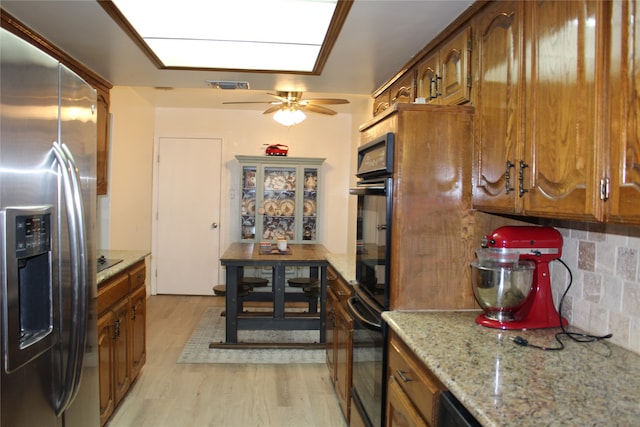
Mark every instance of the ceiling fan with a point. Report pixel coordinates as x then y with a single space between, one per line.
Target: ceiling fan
288 106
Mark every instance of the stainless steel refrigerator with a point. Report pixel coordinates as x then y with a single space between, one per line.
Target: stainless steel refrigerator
47 220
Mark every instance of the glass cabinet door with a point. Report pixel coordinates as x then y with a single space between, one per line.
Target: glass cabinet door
279 198
248 209
309 203
279 219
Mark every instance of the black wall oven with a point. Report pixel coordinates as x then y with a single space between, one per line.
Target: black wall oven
373 233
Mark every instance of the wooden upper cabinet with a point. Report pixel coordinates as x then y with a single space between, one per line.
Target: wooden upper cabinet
498 71
426 77
540 152
381 102
564 111
102 163
402 90
624 133
443 77
454 67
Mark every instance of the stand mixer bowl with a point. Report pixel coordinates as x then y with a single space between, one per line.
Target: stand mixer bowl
502 288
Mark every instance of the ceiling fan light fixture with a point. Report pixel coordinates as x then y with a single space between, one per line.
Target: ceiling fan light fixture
289 116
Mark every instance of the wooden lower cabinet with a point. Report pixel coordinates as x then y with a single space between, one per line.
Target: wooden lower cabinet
106 344
121 370
121 336
339 339
400 410
413 392
138 330
344 359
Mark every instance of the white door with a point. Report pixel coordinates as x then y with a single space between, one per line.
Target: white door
188 203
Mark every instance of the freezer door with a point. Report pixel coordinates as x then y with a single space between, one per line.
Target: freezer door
28 127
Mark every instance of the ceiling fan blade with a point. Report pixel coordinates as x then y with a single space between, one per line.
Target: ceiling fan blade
317 109
272 109
286 96
325 101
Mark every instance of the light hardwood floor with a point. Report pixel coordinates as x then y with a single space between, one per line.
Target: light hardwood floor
168 394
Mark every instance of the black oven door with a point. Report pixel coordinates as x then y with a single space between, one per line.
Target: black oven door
368 385
373 237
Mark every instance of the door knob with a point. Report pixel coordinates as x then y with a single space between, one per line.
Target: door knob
214 225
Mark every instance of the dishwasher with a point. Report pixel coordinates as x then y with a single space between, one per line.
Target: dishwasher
452 413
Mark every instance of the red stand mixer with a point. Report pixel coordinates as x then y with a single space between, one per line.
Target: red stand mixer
511 279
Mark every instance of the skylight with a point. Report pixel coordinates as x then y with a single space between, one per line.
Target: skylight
258 35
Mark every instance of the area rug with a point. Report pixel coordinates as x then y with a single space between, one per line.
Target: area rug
212 329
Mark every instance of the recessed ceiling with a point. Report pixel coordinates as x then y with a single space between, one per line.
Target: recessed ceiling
247 35
378 38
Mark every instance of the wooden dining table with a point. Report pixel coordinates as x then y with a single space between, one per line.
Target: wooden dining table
240 255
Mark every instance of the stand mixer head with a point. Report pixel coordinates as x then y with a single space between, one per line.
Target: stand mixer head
511 279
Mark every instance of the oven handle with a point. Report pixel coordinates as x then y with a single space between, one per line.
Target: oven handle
351 302
375 189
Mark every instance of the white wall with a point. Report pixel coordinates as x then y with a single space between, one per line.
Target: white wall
124 214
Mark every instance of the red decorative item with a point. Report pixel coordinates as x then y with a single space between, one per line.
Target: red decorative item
277 150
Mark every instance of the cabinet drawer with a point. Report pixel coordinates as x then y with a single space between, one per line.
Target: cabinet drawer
336 283
422 387
137 274
112 292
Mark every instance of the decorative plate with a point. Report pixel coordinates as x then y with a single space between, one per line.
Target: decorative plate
250 179
277 182
287 207
309 207
310 182
270 207
250 206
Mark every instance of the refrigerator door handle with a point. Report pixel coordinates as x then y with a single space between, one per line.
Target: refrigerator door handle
77 239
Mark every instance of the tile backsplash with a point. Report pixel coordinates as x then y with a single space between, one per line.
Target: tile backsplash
605 294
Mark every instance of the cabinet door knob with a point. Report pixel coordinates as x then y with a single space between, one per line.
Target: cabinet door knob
214 225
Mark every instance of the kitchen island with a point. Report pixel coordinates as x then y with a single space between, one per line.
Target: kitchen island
504 384
240 255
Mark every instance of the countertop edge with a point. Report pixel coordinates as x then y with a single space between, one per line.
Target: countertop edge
129 258
344 264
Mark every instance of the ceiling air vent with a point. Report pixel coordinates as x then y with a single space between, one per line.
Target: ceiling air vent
222 84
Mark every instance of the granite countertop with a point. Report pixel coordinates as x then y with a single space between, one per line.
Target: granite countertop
344 264
504 384
129 257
